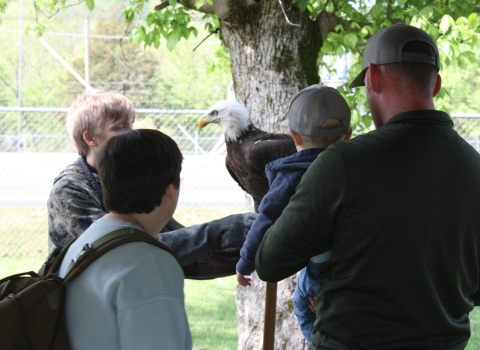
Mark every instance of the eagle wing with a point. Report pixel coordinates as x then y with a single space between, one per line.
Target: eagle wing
246 160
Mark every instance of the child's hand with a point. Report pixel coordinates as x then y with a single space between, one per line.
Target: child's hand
243 280
313 303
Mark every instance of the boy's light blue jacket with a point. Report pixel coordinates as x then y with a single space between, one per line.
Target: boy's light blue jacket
284 175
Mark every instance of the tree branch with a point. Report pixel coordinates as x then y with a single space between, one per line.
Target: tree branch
37 9
286 17
208 36
190 4
162 6
326 23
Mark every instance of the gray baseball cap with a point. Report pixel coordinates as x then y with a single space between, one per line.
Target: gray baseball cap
312 106
385 46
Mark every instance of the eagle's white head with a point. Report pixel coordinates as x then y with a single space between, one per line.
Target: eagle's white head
230 115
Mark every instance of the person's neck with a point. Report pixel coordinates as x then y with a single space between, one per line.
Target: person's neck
407 104
91 159
140 220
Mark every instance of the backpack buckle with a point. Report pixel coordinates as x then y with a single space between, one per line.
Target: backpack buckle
86 248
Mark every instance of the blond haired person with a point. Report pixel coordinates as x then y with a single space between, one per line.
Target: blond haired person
76 198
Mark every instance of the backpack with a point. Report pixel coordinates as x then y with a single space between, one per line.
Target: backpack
32 305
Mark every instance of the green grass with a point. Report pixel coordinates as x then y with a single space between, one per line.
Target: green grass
211 311
210 304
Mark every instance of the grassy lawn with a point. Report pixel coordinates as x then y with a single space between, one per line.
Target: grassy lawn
210 304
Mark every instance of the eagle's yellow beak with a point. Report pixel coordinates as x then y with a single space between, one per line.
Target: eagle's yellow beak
203 121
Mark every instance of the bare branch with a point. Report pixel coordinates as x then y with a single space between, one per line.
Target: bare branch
37 9
286 17
208 36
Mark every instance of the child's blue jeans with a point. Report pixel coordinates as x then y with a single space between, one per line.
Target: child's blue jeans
307 286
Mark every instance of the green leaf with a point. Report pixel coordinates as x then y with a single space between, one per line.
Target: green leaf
302 4
350 40
90 4
150 38
340 51
427 12
156 42
446 22
151 18
172 40
129 14
172 3
138 35
185 32
377 10
473 21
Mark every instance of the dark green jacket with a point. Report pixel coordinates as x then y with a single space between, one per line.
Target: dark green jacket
402 206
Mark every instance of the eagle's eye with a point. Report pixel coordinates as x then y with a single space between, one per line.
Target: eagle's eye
214 113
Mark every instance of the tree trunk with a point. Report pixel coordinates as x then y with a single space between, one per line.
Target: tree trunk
250 316
271 61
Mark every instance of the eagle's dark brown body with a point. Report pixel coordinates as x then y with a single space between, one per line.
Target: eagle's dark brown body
246 159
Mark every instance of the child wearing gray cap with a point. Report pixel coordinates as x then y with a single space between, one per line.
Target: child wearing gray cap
318 116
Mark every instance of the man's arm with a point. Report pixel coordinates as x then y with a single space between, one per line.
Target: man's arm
209 250
270 209
306 223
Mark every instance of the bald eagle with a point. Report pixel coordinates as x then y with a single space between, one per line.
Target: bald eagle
248 149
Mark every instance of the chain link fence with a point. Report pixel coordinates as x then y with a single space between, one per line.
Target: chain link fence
34 148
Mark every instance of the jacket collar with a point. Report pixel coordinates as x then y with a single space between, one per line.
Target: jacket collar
422 116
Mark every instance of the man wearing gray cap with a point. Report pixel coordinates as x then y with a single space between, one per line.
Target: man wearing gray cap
400 205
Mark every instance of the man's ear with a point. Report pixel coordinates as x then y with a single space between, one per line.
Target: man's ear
89 139
170 192
348 135
296 137
438 85
374 73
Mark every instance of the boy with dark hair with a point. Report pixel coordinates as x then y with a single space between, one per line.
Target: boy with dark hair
111 305
318 116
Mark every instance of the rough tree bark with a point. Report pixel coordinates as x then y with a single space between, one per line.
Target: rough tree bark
271 61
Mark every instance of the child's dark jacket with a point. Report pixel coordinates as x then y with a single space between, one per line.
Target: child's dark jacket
284 175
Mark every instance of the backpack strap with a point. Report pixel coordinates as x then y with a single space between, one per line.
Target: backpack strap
91 252
54 259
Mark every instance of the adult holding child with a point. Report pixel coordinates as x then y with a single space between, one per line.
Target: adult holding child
317 117
132 296
400 206
76 198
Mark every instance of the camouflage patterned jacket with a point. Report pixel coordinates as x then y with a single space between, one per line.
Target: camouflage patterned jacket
75 202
